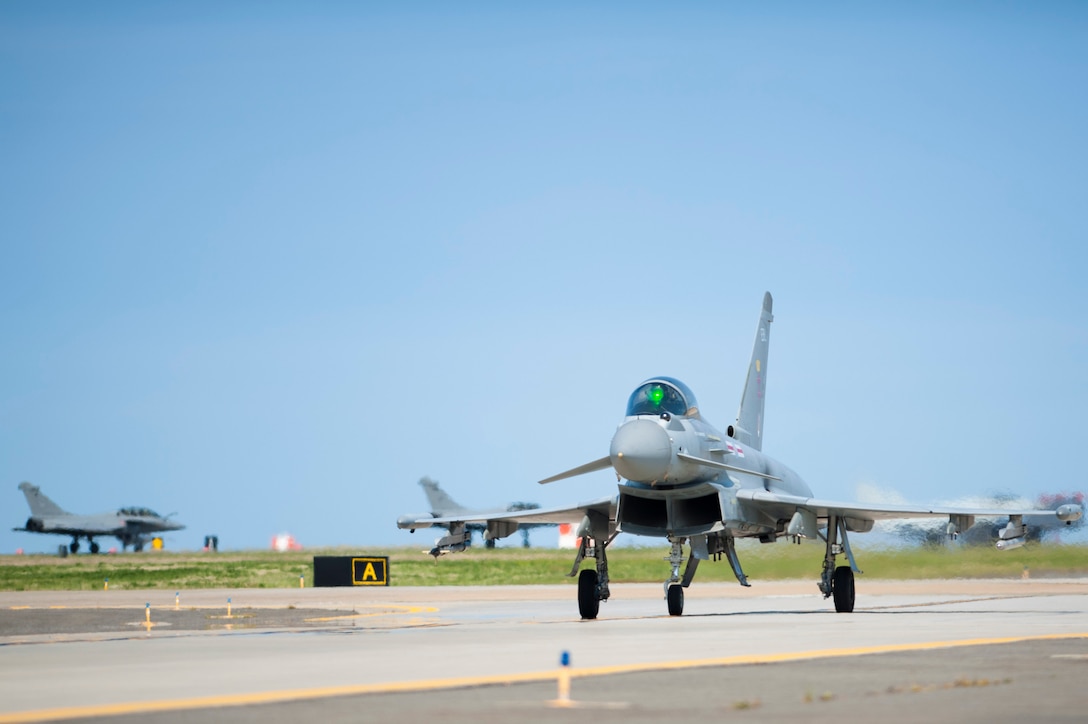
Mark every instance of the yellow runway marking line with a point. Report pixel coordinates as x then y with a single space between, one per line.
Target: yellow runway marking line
274 697
391 610
817 654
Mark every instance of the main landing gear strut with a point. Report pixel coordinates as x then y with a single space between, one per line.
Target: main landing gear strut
74 545
702 548
596 535
592 583
838 582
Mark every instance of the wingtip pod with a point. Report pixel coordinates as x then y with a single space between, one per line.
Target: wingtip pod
768 302
411 522
1069 514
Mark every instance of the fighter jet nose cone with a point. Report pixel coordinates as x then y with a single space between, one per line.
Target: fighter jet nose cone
641 451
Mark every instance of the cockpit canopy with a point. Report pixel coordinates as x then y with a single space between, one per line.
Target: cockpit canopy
662 394
144 512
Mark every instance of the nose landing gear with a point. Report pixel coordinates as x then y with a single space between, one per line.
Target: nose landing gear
674 589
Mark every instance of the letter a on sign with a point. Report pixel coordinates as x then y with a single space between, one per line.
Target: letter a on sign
370 571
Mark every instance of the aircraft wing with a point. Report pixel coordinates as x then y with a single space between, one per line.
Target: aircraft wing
878 511
573 515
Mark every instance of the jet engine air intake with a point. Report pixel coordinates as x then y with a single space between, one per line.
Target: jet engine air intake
651 512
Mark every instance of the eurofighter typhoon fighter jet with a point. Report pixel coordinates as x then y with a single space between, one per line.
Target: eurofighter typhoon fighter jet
683 480
443 506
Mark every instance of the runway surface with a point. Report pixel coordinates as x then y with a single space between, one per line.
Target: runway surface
984 649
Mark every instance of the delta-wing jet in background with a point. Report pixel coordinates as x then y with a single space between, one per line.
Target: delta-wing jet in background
443 506
683 480
131 526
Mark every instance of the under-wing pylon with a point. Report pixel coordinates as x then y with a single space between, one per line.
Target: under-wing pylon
683 480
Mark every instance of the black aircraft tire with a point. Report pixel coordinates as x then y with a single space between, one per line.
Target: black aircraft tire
675 598
589 600
94 547
842 588
74 547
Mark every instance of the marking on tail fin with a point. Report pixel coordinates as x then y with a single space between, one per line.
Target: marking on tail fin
750 415
38 502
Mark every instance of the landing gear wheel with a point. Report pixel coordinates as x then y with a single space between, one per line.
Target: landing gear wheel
74 547
589 600
842 588
137 547
675 597
94 547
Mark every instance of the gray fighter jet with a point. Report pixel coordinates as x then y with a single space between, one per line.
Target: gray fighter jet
131 526
443 506
683 480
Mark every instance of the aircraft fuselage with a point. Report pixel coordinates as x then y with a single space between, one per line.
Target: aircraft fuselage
683 475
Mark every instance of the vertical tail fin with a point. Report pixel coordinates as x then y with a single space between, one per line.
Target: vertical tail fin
440 501
39 504
749 426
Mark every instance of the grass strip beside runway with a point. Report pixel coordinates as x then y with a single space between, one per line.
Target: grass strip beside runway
164 570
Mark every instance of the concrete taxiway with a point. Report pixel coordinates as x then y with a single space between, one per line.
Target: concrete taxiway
491 653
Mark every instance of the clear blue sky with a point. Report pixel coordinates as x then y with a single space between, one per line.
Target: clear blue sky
267 264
